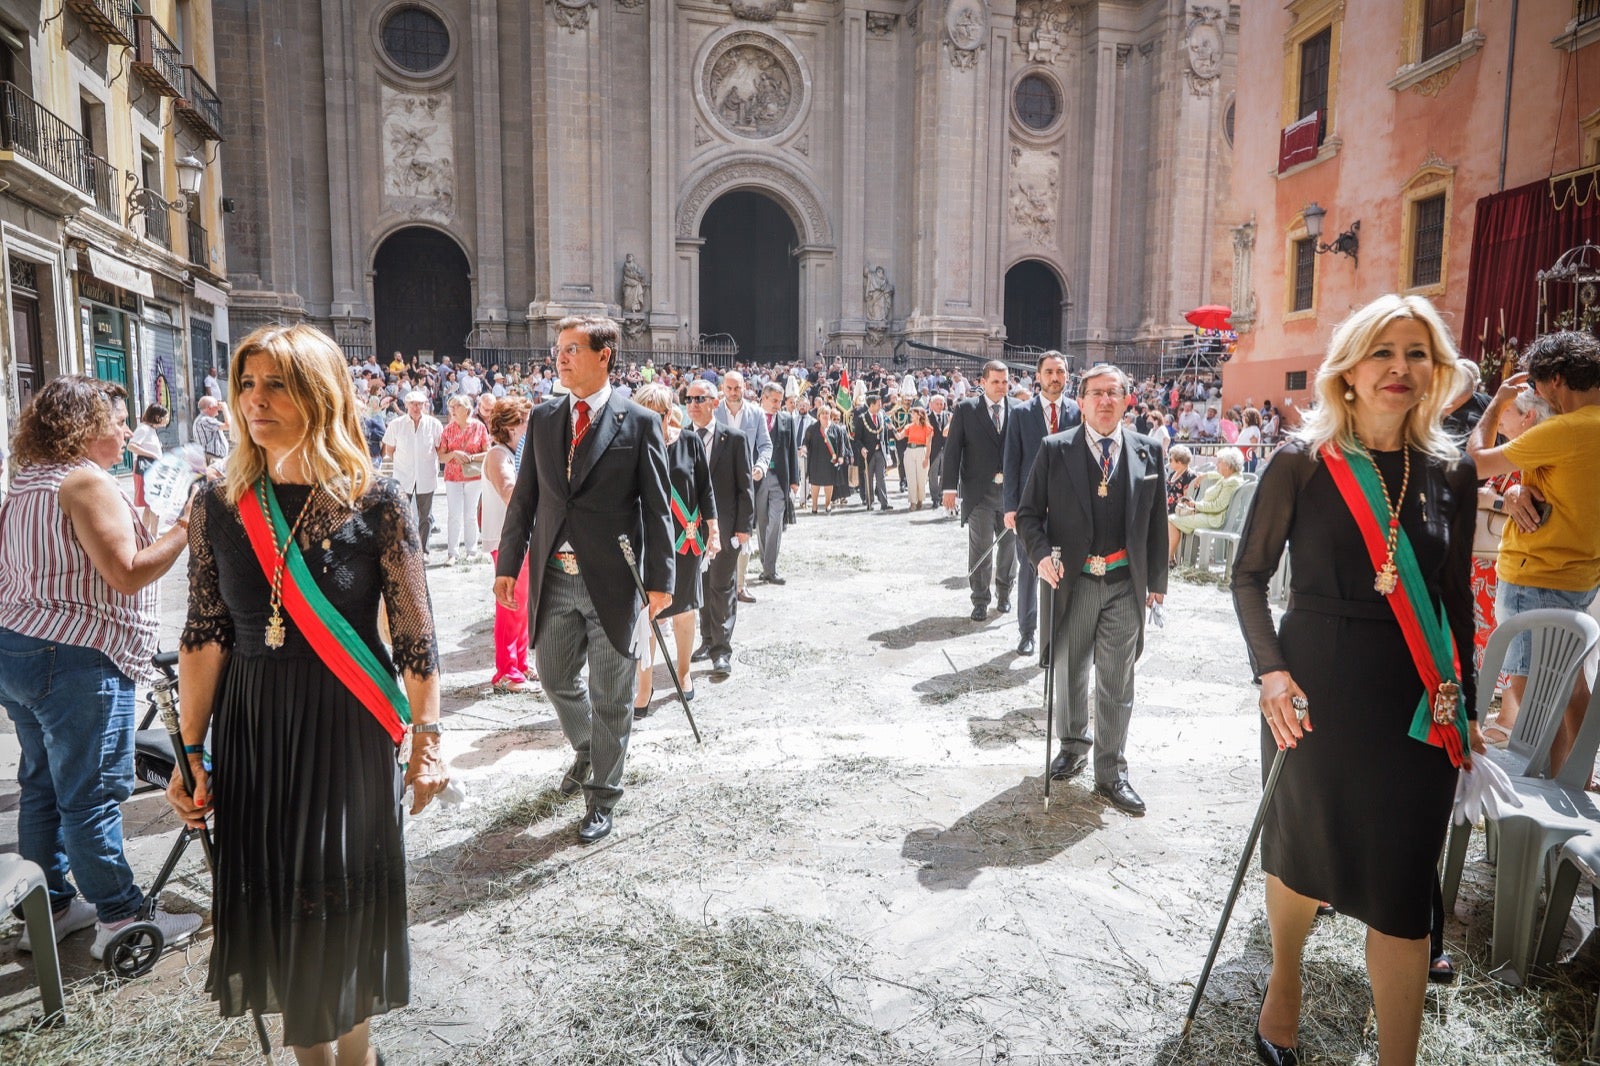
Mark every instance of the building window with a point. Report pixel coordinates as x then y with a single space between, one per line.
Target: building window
1427 242
1443 22
1314 57
1038 106
1305 274
1294 380
416 40
1227 123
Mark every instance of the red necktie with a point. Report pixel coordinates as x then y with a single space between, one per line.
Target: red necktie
583 423
769 425
1054 411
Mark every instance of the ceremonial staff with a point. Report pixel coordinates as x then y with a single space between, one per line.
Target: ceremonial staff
1300 707
655 627
985 556
1047 660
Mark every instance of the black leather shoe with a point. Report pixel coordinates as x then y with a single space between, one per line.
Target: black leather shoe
576 775
721 667
1121 796
1068 764
596 824
745 597
1004 605
1273 1054
700 655
980 613
642 712
774 579
1025 646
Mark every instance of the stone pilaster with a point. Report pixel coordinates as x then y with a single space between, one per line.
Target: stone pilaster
490 270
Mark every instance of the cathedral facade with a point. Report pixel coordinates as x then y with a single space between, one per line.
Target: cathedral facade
798 175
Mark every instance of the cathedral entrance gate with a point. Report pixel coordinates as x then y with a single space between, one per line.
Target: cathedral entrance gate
421 294
1035 306
750 276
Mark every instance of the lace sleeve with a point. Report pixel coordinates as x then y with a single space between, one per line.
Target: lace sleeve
405 584
209 621
1456 584
1261 546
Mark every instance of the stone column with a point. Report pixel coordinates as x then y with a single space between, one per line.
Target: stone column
816 262
852 235
1109 56
686 283
490 317
668 312
342 111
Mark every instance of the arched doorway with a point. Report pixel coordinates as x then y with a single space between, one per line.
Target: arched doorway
749 278
421 294
1034 306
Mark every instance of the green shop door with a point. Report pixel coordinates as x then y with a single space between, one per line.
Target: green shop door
112 365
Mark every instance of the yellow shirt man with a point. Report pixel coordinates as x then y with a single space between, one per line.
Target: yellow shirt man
1557 459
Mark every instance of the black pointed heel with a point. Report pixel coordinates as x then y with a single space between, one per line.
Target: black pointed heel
1269 1053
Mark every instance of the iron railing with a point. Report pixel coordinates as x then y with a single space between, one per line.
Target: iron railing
157 226
199 248
111 19
157 58
1585 11
200 106
102 178
42 137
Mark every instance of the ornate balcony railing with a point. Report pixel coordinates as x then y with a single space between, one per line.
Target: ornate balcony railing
102 178
199 247
1585 11
111 19
42 137
153 206
200 106
157 58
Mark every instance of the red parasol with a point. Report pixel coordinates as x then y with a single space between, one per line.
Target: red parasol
1211 316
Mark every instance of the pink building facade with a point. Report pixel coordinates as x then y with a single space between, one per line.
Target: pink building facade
1402 120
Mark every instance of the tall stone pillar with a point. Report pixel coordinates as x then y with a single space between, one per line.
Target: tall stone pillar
346 245
852 235
490 316
667 313
1109 55
816 284
686 283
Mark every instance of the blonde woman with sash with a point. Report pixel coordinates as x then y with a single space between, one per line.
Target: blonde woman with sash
289 690
1369 678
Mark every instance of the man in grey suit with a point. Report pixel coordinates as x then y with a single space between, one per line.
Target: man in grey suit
1052 411
782 478
973 471
748 419
729 462
1097 493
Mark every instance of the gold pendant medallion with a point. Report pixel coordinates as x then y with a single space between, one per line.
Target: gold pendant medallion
275 631
1105 490
1387 579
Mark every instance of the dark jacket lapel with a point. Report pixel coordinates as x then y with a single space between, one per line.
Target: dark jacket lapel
1077 472
602 427
1134 452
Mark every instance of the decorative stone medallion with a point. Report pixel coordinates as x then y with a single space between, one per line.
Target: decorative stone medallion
573 14
965 24
1203 48
752 85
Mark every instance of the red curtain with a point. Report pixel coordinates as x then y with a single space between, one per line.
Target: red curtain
1516 234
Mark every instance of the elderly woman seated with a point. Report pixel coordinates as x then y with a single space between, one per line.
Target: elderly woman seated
1180 475
1211 508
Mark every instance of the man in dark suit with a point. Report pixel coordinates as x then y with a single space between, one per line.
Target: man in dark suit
869 453
728 456
782 478
973 454
939 422
596 470
1052 411
1097 492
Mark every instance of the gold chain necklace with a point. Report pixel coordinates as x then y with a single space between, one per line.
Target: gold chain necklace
275 629
1388 575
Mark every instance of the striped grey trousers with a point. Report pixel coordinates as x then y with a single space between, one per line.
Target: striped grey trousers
1102 627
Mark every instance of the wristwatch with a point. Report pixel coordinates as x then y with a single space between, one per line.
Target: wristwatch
426 727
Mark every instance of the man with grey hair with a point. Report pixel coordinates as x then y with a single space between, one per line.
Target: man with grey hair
1096 496
974 472
210 432
747 419
783 478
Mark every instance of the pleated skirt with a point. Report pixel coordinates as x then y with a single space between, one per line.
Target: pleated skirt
309 886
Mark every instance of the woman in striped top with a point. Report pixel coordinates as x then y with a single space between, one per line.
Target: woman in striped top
77 629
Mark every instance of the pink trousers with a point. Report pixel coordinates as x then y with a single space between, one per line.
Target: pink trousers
511 633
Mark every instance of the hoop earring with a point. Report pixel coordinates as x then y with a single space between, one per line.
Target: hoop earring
1423 398
1349 395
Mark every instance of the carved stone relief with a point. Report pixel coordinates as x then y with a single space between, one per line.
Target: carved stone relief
1244 297
802 144
573 14
880 24
1041 24
752 85
759 10
630 4
810 221
1202 45
878 299
701 137
965 26
1035 184
418 154
633 286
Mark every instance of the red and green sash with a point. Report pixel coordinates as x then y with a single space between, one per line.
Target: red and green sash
1421 620
334 640
691 541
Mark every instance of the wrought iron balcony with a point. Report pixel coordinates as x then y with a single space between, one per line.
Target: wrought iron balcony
199 247
102 178
111 19
200 106
1585 12
153 206
42 138
157 59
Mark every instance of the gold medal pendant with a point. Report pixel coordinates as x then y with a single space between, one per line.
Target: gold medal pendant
1387 578
1104 490
1445 702
275 631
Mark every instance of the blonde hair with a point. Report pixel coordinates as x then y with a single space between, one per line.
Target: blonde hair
1332 419
318 384
658 398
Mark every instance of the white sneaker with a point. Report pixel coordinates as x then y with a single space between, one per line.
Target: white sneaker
175 930
450 559
78 915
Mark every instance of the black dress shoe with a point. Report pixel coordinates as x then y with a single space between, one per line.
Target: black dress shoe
1068 764
1121 796
980 613
1004 605
773 579
721 667
596 824
576 775
1025 646
641 712
745 597
688 694
1273 1054
700 654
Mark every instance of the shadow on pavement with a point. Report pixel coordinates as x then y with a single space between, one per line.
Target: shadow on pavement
1010 830
928 629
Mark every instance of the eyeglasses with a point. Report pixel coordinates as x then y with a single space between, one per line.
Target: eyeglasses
1103 394
701 399
570 351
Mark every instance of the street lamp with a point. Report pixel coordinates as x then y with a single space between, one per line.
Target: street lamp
1346 243
191 171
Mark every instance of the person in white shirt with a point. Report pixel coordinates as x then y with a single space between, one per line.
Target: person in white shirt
213 387
471 383
412 441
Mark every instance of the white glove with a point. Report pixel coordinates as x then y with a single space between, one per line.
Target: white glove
1482 791
453 795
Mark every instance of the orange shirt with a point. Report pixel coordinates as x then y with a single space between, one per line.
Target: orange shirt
917 436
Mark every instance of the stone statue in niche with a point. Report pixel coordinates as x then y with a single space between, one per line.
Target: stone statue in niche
1203 48
1244 297
633 284
1035 184
878 298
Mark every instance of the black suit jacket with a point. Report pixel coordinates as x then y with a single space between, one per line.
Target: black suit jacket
619 486
867 442
1028 426
974 451
1055 511
785 462
731 485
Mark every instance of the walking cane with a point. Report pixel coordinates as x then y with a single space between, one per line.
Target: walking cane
985 556
1047 656
1238 874
655 627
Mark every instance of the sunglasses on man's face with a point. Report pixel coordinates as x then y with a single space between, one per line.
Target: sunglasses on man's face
702 399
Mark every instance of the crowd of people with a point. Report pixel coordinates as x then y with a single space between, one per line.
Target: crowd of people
612 499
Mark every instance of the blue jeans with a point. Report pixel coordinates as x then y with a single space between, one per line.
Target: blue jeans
1512 599
74 715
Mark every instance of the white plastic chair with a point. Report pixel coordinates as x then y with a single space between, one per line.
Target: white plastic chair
22 882
1228 533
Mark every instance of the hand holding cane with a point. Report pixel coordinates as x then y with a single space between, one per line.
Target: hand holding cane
1300 709
655 627
1047 660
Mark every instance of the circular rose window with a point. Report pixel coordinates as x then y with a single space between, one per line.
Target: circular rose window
1037 102
415 40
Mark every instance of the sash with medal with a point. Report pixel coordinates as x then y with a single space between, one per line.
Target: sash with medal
1441 716
334 640
690 540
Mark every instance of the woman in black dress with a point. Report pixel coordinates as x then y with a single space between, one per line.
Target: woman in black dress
1361 808
827 451
694 529
309 899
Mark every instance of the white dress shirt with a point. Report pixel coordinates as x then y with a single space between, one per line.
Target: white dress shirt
596 400
416 452
1094 444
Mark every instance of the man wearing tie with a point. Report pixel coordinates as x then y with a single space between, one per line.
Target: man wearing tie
1097 493
1047 413
747 419
729 462
596 470
939 421
973 470
783 478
